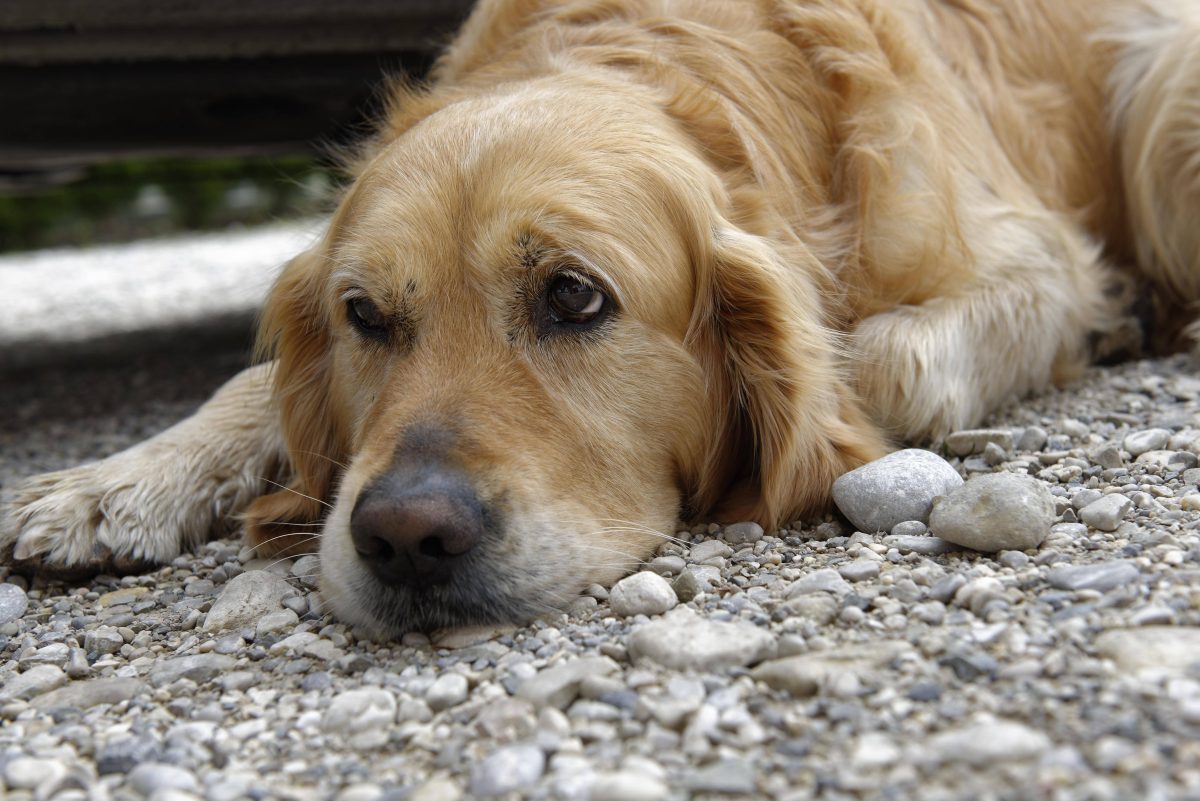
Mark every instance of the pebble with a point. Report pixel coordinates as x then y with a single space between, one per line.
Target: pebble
364 717
32 683
1106 513
987 743
86 694
966 443
507 770
804 675
995 512
1153 439
13 603
280 620
449 689
729 776
859 570
925 545
198 668
103 640
245 599
643 593
628 786
824 580
1174 649
150 778
437 789
1101 576
897 488
683 640
558 685
27 773
742 533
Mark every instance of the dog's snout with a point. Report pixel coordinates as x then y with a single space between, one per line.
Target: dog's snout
414 528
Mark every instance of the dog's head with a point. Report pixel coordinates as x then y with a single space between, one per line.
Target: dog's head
532 339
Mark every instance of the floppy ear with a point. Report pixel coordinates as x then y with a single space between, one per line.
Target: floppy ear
791 422
295 330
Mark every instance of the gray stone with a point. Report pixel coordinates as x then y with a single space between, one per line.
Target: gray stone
13 603
508 769
681 640
281 620
103 640
364 717
151 777
1033 438
926 545
77 664
909 528
859 570
27 773
1107 513
86 694
742 533
449 689
1174 649
730 776
308 570
825 580
1152 439
558 684
709 549
32 683
976 440
689 584
804 675
198 668
1102 576
627 786
245 599
1107 456
899 487
123 754
988 743
995 512
56 653
436 789
663 566
643 593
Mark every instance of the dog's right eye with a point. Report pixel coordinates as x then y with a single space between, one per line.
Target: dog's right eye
366 317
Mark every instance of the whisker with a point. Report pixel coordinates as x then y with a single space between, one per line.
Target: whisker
326 504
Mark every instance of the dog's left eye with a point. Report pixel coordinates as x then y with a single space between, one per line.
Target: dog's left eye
366 317
574 301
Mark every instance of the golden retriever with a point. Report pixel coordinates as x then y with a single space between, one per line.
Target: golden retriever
630 261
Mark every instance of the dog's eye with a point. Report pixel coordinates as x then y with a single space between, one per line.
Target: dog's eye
573 301
366 317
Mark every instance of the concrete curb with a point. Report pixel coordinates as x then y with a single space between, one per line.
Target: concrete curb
71 305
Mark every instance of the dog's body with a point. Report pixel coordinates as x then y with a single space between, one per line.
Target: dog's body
631 260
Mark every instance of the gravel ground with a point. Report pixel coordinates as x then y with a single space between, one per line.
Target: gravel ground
811 662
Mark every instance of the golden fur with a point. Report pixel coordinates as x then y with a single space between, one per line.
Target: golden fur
825 226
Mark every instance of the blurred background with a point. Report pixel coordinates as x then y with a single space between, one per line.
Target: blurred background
130 119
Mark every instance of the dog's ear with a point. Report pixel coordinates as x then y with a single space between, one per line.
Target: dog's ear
294 330
791 423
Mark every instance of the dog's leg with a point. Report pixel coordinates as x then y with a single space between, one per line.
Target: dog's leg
1155 86
1019 322
148 503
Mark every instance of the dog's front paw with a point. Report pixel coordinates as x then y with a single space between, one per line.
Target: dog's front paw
98 517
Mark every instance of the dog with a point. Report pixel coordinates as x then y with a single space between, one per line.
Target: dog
629 262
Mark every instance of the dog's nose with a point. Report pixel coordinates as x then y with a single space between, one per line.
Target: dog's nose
415 528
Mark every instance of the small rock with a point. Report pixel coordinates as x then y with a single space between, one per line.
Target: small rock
984 744
643 593
308 569
507 769
56 653
730 776
682 640
662 565
151 777
558 685
1175 649
628 786
86 694
995 512
1032 438
1153 439
966 443
27 773
437 789
275 622
689 584
450 689
245 599
103 640
125 595
32 683
1101 577
909 528
875 750
825 580
123 754
1107 456
859 570
709 549
806 674
742 533
198 668
1107 513
926 545
13 603
364 717
897 488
